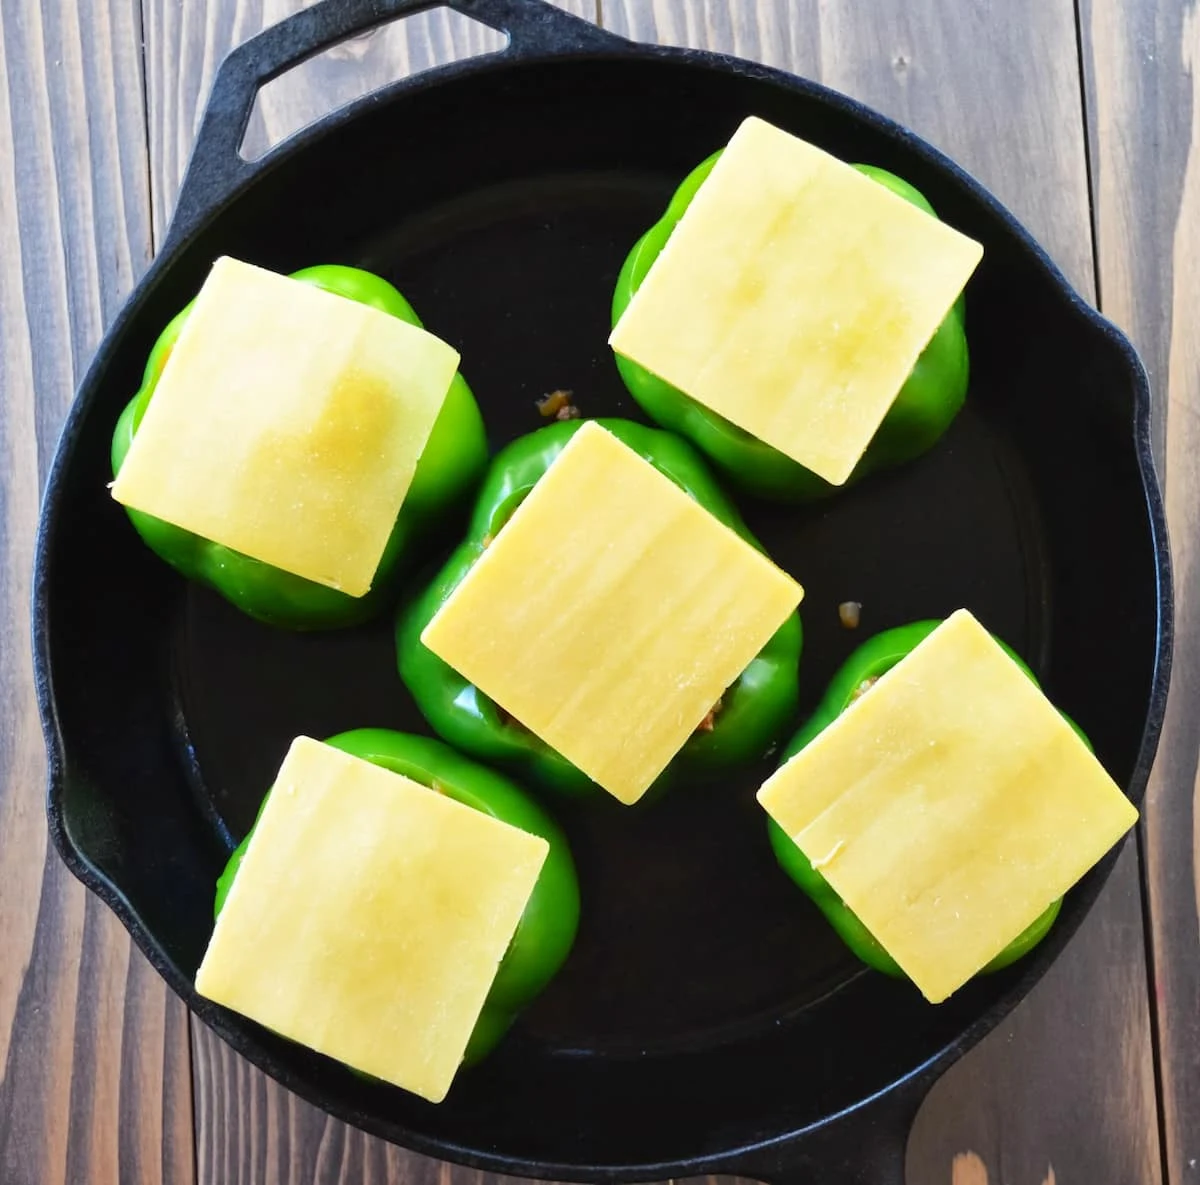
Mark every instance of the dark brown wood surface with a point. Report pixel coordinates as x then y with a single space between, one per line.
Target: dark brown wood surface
95 1054
1071 119
1140 66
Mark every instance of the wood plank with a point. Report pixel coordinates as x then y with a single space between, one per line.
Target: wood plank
96 1078
781 33
250 1130
1067 1083
1140 63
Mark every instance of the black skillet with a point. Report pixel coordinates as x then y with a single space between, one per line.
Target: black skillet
708 1020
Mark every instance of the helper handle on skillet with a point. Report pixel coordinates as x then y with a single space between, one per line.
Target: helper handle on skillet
865 1145
217 169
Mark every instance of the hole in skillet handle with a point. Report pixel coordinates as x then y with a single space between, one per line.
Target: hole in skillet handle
219 166
356 66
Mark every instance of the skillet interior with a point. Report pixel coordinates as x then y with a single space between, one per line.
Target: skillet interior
707 1007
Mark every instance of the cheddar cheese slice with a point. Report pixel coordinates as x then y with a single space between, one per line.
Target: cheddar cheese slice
610 613
369 917
287 425
794 297
949 806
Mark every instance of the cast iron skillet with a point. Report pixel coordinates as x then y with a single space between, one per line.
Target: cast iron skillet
708 1020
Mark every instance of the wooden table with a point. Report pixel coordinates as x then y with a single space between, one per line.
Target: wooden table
1081 115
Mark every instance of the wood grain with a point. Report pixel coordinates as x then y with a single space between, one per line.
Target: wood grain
252 1131
1068 1082
1141 63
781 33
95 1055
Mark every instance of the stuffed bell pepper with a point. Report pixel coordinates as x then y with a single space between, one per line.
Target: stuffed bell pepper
546 929
744 350
615 611
448 465
853 680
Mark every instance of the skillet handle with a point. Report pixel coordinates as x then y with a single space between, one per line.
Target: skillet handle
216 168
863 1146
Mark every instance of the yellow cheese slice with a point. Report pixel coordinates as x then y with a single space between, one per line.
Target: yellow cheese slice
949 806
369 916
794 297
287 425
610 613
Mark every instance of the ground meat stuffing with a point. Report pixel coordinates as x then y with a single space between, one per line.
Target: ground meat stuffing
557 406
508 720
709 721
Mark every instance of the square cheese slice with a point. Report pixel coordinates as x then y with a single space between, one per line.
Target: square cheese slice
949 806
369 917
794 297
287 425
610 613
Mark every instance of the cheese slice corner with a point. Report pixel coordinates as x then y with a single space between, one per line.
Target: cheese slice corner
949 806
369 917
795 296
611 613
287 425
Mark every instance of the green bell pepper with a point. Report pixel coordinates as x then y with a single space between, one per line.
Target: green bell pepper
449 468
547 928
923 410
752 713
871 660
